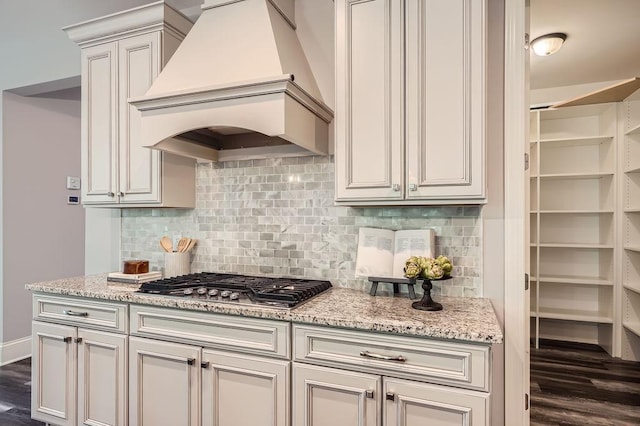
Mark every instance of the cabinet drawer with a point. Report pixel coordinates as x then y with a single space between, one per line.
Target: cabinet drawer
456 364
87 313
247 335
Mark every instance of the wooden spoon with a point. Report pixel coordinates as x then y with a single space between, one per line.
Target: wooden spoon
183 244
166 244
192 243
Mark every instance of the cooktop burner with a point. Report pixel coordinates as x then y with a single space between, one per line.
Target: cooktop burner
241 289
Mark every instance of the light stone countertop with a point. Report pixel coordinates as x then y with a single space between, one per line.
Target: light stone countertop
463 319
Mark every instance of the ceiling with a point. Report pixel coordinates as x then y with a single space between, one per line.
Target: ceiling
603 41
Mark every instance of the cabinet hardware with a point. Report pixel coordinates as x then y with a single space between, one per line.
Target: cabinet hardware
78 339
390 396
111 194
526 281
368 354
369 394
396 187
413 187
191 361
67 339
120 194
75 314
204 364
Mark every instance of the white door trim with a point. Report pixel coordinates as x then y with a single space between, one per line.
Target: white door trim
15 350
516 314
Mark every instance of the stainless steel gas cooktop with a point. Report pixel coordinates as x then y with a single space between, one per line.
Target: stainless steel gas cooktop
240 289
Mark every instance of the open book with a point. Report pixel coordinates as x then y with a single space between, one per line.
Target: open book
382 252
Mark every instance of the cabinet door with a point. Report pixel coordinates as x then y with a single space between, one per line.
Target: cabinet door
98 125
330 397
164 383
240 390
139 65
445 110
102 373
53 375
369 100
410 403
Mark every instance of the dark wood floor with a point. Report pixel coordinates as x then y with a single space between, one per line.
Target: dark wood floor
578 384
15 394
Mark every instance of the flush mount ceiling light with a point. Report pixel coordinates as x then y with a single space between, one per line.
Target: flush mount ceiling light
548 44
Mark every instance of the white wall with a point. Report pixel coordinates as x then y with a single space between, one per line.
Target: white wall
34 50
43 235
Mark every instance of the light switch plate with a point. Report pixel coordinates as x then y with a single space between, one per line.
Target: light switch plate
73 182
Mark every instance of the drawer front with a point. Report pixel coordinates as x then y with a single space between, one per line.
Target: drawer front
82 312
456 364
247 335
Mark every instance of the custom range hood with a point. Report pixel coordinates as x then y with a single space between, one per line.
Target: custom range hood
239 86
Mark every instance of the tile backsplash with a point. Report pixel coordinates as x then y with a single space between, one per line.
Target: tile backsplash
277 217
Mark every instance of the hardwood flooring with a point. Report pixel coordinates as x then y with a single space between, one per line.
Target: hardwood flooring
578 384
15 394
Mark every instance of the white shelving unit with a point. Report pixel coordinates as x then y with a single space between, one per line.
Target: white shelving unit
630 221
573 223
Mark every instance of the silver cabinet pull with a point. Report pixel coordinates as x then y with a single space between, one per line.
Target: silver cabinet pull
204 364
121 194
67 339
369 394
398 358
390 396
111 194
395 187
191 361
78 339
75 314
413 187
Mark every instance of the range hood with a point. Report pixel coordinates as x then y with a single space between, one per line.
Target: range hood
238 86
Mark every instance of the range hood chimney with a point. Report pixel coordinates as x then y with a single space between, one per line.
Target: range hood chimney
237 84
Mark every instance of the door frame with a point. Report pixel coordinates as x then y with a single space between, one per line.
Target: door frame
516 313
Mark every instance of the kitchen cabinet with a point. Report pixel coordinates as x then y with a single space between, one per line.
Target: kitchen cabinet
178 383
121 56
355 378
410 108
78 373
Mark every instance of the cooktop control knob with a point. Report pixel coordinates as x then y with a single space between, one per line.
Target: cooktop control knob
234 296
187 291
213 292
225 293
202 291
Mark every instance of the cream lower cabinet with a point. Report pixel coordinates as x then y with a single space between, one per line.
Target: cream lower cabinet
192 368
176 384
410 108
78 374
121 56
357 378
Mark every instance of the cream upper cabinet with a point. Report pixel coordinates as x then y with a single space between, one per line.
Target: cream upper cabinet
410 102
121 56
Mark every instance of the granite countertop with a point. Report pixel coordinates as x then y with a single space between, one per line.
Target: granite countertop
464 319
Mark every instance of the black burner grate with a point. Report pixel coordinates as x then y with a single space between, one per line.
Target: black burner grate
286 292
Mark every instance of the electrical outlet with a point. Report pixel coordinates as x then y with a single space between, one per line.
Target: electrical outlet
73 182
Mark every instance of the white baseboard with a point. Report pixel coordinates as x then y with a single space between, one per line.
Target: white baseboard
15 350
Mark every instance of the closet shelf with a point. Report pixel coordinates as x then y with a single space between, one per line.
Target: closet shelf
633 248
575 245
633 327
597 175
634 129
576 141
575 280
634 289
633 170
575 315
